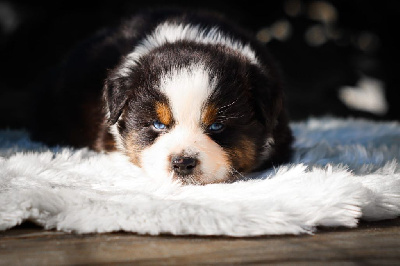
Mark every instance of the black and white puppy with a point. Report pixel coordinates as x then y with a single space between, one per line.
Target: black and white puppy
186 95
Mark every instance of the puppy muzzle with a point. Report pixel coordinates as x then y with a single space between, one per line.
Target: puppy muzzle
183 166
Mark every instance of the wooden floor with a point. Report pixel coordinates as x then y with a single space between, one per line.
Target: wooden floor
375 243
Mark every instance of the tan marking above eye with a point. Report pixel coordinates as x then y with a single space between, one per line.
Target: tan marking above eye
164 114
209 115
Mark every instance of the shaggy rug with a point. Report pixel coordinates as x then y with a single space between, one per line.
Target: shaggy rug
342 171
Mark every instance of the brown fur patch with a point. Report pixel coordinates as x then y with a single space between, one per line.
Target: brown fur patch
104 141
243 155
209 114
163 113
132 149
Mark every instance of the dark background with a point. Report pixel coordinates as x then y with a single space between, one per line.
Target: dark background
34 37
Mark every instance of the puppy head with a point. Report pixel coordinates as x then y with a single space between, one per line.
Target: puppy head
199 114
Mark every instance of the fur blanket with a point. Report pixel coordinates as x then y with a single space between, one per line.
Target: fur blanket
341 171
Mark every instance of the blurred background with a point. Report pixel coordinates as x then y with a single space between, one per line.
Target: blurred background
338 58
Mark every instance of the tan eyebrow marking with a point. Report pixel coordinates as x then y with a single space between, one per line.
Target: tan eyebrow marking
209 114
163 113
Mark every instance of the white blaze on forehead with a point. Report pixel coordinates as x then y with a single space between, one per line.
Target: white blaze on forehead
187 90
168 32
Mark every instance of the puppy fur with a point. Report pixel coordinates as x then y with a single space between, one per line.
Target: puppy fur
185 95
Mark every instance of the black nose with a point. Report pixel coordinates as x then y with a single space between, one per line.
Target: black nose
183 165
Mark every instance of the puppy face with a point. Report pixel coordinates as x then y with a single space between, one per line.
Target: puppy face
192 112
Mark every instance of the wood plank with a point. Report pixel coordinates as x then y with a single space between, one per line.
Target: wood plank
375 243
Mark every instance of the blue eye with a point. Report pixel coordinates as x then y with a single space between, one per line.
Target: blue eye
159 126
216 127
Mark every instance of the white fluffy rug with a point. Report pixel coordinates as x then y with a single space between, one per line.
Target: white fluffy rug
342 170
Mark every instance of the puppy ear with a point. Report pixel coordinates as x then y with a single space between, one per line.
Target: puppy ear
115 98
268 96
269 99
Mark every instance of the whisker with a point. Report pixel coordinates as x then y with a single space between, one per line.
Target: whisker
236 174
228 105
230 117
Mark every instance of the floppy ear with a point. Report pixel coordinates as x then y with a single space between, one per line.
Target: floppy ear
115 97
269 99
268 96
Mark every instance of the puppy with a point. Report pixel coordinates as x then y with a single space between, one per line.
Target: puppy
185 95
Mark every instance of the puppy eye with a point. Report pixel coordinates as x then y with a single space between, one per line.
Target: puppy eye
216 127
159 126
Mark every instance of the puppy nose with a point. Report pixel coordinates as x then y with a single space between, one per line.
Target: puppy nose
183 165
